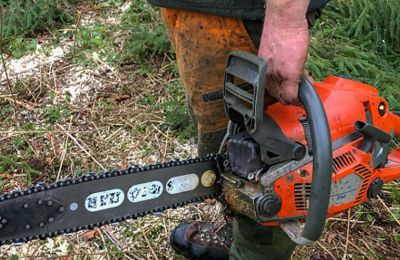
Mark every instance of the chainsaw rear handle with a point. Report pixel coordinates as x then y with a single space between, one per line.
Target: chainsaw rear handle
248 107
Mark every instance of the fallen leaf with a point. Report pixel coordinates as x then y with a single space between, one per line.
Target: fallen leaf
36 145
124 163
66 257
4 175
331 237
51 138
49 160
89 234
210 201
119 97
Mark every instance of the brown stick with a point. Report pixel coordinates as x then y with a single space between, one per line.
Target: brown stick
326 250
388 210
347 235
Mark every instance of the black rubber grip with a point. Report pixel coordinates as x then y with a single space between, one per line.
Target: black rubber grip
322 161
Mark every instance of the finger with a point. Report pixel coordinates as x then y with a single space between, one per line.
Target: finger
289 93
308 76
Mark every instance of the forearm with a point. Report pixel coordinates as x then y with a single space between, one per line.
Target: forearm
284 45
286 13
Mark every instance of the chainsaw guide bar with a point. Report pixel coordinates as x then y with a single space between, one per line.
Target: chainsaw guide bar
94 200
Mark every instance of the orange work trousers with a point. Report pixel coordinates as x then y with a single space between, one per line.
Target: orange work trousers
202 43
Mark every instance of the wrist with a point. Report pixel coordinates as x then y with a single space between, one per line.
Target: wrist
284 21
282 33
286 13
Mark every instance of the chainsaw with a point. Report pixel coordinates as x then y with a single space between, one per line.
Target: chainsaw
292 166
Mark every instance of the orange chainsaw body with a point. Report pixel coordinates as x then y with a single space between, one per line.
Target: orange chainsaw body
286 163
345 102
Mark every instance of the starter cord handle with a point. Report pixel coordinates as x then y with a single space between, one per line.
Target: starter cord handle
322 163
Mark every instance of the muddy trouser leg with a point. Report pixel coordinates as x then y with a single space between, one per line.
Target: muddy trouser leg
202 43
253 241
207 142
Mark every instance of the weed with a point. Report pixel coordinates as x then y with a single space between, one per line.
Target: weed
145 69
54 114
59 109
19 142
105 105
176 113
24 19
147 99
139 129
89 39
19 46
146 33
397 237
6 110
12 163
107 4
13 257
57 112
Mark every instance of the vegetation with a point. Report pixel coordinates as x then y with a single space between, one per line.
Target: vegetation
22 20
361 40
147 35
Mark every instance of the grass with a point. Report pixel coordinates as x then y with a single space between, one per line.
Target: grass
140 36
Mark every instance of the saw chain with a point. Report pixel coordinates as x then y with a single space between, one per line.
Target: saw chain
94 200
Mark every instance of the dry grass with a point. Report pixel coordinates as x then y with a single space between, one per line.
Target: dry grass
65 119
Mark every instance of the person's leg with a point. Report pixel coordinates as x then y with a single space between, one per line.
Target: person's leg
202 43
253 241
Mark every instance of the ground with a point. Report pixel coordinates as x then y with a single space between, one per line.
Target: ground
78 103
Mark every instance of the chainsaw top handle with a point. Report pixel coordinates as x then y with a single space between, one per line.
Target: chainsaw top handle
244 103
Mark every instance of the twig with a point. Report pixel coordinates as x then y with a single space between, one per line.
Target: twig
30 145
22 132
82 148
64 152
151 248
347 235
347 220
1 52
104 243
113 134
108 67
326 250
366 245
76 32
78 242
388 209
357 247
27 105
161 133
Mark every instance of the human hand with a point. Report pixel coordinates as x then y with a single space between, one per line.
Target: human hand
284 45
